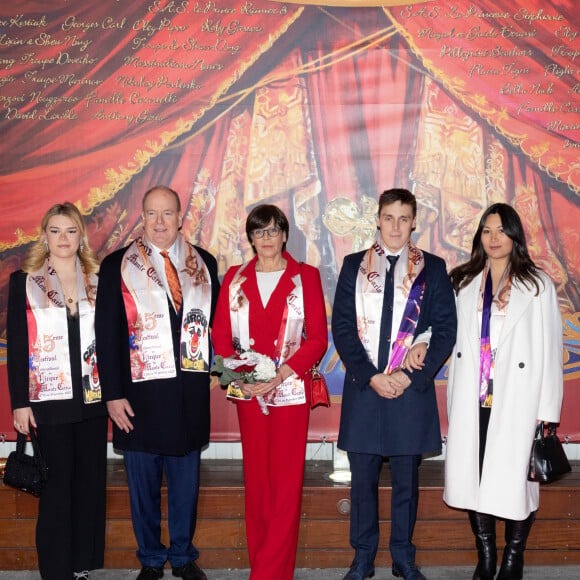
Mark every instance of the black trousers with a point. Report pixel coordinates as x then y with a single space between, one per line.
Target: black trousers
70 530
484 413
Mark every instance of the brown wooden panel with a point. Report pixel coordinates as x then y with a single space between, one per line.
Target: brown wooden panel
443 535
432 507
123 559
119 535
18 559
221 503
321 503
212 558
14 503
327 534
555 535
213 503
469 558
26 505
7 503
17 534
324 558
558 502
440 535
545 535
323 534
118 506
209 558
553 558
225 534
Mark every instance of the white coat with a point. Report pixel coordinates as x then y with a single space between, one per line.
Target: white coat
527 387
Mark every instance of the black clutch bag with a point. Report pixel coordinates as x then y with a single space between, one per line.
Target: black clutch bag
28 473
548 460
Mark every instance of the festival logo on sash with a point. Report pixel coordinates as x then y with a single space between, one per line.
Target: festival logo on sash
148 318
49 354
409 283
291 391
49 375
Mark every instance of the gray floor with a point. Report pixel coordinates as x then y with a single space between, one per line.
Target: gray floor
456 573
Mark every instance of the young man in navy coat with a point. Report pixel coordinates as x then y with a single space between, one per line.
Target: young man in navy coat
386 297
157 392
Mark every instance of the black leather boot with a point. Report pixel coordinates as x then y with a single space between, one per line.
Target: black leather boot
483 526
516 536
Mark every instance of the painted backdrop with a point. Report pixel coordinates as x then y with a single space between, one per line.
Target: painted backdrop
316 108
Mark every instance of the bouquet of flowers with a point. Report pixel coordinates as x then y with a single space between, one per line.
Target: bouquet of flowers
249 367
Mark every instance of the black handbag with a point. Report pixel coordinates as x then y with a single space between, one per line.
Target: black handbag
28 473
548 460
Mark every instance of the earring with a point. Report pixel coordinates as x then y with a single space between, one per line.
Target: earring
81 247
46 246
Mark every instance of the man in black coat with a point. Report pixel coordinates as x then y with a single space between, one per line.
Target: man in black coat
157 398
386 297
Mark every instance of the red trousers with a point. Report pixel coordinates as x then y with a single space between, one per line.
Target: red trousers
274 448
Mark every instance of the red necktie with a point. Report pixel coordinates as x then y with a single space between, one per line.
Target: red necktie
172 281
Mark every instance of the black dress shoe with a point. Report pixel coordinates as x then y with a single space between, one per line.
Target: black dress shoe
356 574
150 573
191 571
409 572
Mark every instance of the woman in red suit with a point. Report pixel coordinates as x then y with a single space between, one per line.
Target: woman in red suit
275 306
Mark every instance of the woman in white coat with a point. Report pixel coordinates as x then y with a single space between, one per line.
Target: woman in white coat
505 377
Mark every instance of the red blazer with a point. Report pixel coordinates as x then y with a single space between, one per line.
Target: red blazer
265 322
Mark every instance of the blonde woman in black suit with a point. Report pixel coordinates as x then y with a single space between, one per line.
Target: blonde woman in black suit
54 387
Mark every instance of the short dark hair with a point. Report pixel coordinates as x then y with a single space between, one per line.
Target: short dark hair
164 188
262 215
390 196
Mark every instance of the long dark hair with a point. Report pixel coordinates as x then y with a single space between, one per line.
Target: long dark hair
522 267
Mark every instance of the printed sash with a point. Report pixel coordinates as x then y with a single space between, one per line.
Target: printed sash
49 355
488 306
291 391
148 317
409 284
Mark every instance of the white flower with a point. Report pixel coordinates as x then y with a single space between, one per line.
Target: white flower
265 369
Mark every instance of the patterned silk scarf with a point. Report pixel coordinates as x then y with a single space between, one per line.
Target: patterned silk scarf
291 391
148 317
488 306
409 289
49 355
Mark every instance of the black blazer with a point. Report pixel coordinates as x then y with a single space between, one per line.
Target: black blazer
408 425
172 416
45 412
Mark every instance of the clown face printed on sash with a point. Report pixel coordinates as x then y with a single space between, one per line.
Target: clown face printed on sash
91 385
195 327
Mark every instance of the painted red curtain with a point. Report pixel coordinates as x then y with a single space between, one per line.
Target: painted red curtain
362 71
91 161
484 53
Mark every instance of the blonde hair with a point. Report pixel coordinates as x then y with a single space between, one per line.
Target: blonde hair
38 252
